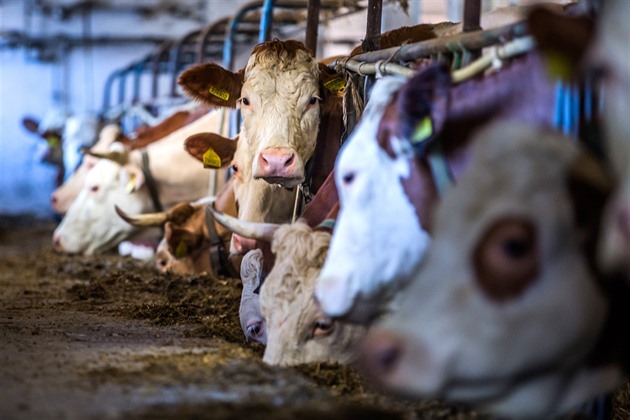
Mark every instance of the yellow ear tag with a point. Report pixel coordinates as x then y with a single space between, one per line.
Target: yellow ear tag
423 131
219 93
337 85
131 184
211 159
558 65
53 141
182 250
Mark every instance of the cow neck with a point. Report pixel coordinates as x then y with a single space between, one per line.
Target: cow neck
150 182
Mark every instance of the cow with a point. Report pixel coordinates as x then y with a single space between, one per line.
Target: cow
65 136
91 224
65 194
193 242
391 171
508 310
289 119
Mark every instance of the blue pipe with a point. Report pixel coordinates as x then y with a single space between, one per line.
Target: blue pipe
266 20
228 46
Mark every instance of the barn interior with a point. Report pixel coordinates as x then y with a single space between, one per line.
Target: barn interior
110 335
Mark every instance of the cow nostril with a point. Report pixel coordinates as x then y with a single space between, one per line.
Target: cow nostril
53 199
290 160
382 352
348 178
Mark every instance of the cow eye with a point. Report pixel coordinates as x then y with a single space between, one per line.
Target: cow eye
245 101
234 168
322 327
506 258
94 188
313 100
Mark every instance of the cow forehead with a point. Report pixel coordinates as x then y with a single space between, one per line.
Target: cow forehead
281 58
104 172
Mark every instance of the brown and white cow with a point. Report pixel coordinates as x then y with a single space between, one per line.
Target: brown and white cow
390 172
91 224
508 311
64 195
287 115
193 242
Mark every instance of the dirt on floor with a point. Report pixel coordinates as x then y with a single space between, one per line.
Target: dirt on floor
109 337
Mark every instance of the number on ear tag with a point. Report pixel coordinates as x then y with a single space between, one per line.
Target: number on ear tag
211 159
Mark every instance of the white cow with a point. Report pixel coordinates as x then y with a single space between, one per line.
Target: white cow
91 224
373 245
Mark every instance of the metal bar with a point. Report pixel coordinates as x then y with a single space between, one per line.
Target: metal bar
138 70
122 84
176 56
266 21
214 28
468 41
472 22
374 17
157 58
228 47
107 90
312 24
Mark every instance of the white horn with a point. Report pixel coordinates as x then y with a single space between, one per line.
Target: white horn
253 230
143 220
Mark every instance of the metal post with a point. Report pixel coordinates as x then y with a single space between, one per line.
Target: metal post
312 24
472 20
374 17
266 21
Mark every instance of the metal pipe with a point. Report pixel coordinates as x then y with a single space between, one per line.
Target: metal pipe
468 41
312 25
374 17
157 60
176 56
472 22
215 28
107 89
138 71
228 46
122 85
266 21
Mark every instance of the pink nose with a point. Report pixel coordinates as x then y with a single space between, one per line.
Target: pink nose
276 162
380 353
57 243
243 245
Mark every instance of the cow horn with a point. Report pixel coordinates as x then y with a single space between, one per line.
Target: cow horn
253 230
143 220
116 156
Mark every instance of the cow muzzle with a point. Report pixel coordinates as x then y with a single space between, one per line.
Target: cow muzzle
279 166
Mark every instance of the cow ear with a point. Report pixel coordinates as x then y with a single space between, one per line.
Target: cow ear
181 242
31 125
212 84
180 213
332 86
562 39
423 103
211 149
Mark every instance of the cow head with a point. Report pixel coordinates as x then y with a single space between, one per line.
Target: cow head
280 96
505 308
91 224
64 195
297 330
256 200
386 196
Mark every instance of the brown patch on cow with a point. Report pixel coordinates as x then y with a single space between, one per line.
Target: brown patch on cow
182 242
180 213
326 198
396 37
506 259
147 135
562 39
281 49
197 145
388 127
212 84
421 191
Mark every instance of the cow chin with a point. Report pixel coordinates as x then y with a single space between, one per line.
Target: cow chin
285 182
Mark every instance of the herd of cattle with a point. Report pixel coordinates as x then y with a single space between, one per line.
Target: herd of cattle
459 246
